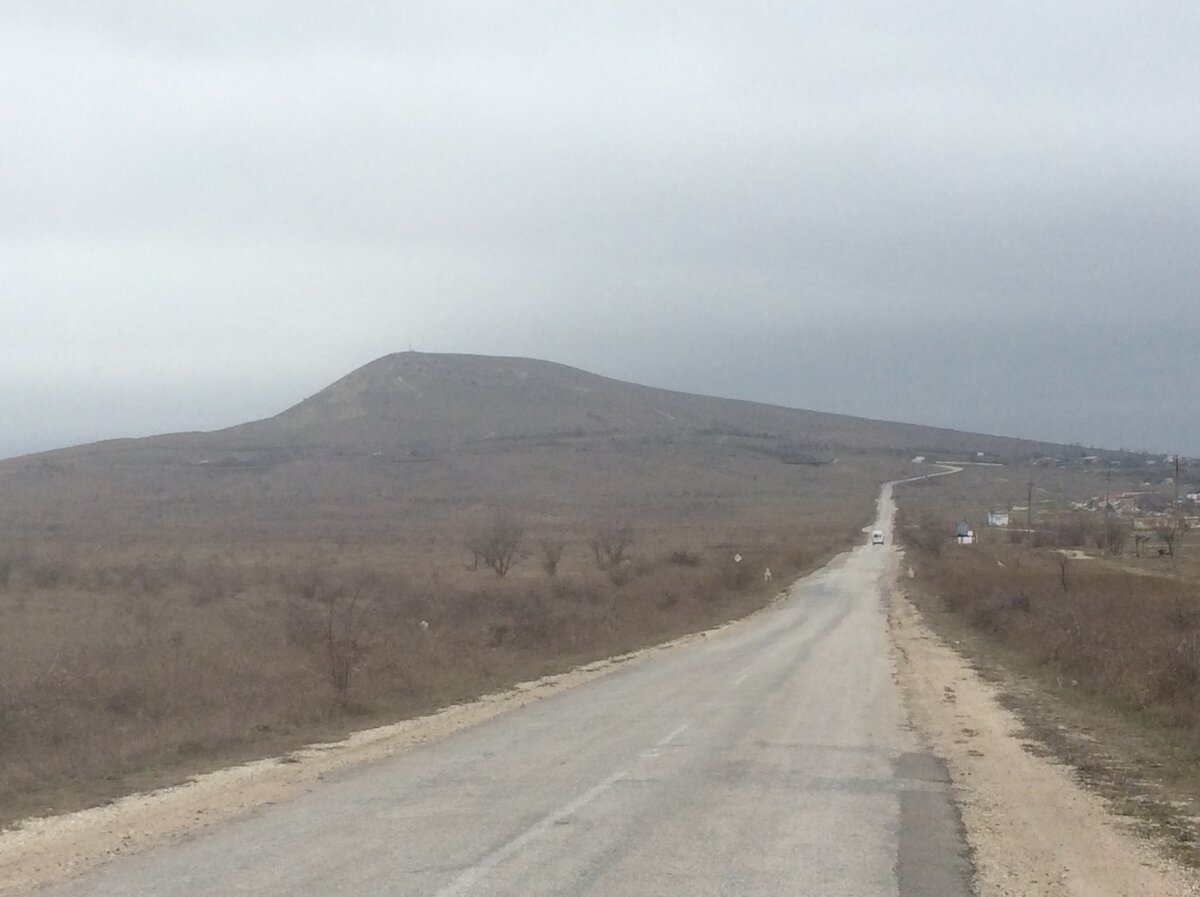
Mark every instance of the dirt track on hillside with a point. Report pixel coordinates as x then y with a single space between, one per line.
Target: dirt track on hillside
1033 829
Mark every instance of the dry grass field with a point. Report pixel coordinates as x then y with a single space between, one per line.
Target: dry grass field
1099 649
170 604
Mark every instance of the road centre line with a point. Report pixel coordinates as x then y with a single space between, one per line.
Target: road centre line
472 874
669 738
469 876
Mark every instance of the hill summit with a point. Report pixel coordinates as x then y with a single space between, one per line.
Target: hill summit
438 401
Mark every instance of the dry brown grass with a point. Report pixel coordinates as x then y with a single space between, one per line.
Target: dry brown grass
174 602
1097 651
1063 595
114 662
1133 638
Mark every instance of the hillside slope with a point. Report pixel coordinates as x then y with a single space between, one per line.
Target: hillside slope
411 398
415 436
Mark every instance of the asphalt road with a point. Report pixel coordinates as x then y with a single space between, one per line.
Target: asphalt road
771 758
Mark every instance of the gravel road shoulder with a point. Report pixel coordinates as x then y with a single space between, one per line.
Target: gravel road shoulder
1033 829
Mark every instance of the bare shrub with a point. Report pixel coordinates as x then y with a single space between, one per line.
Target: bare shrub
925 534
211 581
301 622
1074 532
642 566
551 550
992 612
1115 535
683 558
1079 530
618 574
1176 674
588 592
328 614
142 579
47 573
496 542
345 630
611 543
1183 616
1170 532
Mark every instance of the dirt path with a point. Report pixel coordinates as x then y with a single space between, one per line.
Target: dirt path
1033 829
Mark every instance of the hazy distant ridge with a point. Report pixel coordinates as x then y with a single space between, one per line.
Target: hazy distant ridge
414 399
429 403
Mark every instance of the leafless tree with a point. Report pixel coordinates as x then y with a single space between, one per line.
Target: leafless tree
345 646
1114 535
497 541
611 544
328 612
1171 531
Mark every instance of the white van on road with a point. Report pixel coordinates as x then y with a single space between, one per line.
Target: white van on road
877 537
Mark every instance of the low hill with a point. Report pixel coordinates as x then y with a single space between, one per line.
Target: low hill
412 400
413 435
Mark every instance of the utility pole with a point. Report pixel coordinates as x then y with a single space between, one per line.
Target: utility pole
1177 542
1029 509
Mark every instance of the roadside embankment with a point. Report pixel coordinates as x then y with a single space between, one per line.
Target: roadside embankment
1070 686
1034 830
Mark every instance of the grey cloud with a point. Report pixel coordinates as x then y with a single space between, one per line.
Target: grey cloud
684 194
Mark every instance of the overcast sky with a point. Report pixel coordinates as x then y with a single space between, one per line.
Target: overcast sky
981 216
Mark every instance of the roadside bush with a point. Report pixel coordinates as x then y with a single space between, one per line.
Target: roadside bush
926 534
611 543
1073 532
496 542
551 550
618 574
1175 675
1135 638
45 573
1115 535
642 566
683 558
992 612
